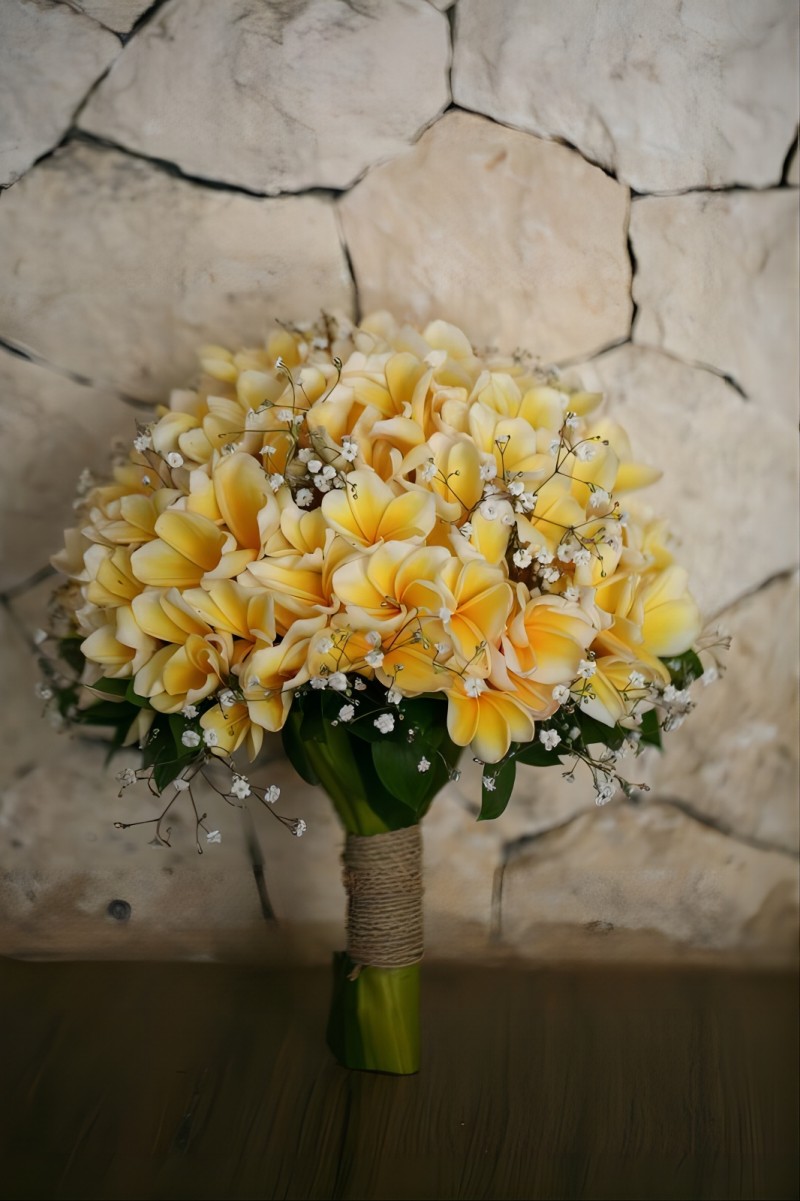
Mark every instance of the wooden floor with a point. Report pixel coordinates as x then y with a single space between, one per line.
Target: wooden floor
195 1081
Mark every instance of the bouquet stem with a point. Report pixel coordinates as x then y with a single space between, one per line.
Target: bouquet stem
374 1020
374 1017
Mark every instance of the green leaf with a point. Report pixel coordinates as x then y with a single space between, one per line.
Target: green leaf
105 713
169 768
141 702
594 731
70 651
683 669
537 755
110 687
650 730
397 765
494 801
291 735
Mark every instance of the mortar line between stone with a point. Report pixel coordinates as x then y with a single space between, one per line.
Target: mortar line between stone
748 840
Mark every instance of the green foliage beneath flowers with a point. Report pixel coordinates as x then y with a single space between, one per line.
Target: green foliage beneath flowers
376 777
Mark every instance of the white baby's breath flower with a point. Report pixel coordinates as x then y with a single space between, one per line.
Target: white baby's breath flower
213 836
314 466
359 684
374 658
516 487
43 691
489 509
337 680
561 693
276 481
423 765
466 529
565 552
298 827
604 794
543 555
488 469
384 723
325 646
347 713
189 711
126 777
526 502
349 450
573 421
582 557
210 738
190 738
636 680
240 787
427 471
489 783
585 452
474 686
142 442
550 574
272 794
227 698
394 696
571 594
599 498
549 739
174 459
522 558
284 414
586 669
318 683
181 785
303 497
373 638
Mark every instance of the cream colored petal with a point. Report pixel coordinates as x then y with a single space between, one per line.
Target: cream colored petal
193 536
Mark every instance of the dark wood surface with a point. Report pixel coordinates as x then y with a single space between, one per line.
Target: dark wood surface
199 1080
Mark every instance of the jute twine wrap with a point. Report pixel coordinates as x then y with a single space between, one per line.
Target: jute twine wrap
383 878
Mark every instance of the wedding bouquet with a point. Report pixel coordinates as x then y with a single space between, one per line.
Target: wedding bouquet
389 547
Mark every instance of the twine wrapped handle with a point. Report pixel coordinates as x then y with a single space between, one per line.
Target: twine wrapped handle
383 879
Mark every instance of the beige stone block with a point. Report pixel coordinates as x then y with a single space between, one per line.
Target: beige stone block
648 883
735 759
277 97
518 241
50 56
668 95
50 430
119 15
134 269
729 468
716 284
793 174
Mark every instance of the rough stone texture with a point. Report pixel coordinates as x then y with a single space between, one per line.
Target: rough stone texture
793 174
651 883
304 94
519 241
119 15
49 58
707 440
716 283
135 269
736 760
50 430
668 95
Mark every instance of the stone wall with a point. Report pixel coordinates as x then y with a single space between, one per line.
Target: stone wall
612 185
